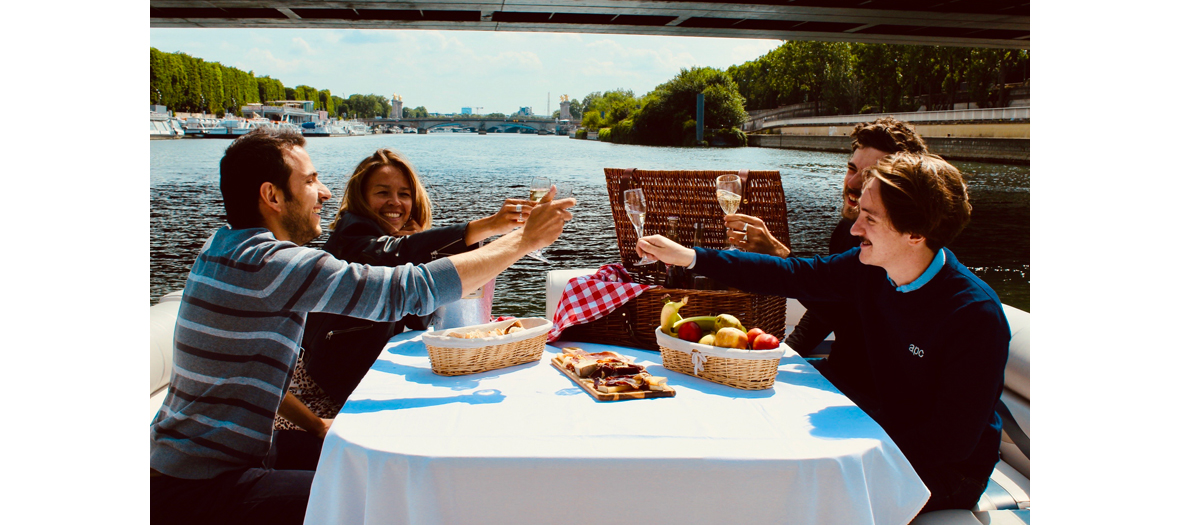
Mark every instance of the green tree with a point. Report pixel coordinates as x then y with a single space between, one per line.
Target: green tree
418 112
270 89
670 106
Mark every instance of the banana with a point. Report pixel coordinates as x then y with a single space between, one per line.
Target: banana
706 322
670 314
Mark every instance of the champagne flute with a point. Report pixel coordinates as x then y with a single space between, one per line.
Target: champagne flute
636 208
538 188
729 195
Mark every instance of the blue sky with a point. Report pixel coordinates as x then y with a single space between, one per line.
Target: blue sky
447 70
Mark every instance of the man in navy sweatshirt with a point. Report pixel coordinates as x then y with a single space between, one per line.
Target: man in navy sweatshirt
213 457
935 335
846 365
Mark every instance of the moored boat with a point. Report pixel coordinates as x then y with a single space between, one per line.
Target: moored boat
163 126
356 127
234 127
198 127
324 128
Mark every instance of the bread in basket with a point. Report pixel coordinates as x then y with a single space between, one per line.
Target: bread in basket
453 356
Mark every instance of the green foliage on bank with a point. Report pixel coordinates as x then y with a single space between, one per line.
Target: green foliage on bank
187 83
667 115
673 104
418 112
852 78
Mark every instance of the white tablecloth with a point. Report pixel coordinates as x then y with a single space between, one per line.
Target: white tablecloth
525 445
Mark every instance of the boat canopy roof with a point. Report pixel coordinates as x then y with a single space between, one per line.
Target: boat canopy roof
996 23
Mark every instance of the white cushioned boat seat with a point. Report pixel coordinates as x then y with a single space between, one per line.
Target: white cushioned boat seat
1007 489
1017 392
555 281
163 327
1009 486
966 517
795 312
1016 373
1009 451
1004 517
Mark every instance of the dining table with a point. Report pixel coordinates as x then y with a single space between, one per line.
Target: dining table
526 444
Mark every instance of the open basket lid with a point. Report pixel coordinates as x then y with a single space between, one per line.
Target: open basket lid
691 195
533 327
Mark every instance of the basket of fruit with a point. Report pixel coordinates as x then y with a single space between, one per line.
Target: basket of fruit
632 323
718 348
479 348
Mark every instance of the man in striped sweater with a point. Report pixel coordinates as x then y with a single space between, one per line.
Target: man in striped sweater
242 317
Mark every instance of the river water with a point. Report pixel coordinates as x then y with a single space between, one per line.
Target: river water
468 176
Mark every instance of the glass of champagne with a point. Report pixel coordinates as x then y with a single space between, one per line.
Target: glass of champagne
729 195
636 208
538 188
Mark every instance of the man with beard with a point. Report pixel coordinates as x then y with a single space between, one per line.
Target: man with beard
213 456
846 366
937 337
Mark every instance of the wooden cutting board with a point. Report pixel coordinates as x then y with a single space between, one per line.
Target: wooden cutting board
587 384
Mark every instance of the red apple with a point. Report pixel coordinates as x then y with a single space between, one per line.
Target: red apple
765 342
753 334
690 331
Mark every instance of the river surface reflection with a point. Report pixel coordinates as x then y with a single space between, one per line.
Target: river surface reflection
469 175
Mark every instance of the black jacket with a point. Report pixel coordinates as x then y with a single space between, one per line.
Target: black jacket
338 350
847 363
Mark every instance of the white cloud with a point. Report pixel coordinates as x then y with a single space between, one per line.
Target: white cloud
301 46
264 60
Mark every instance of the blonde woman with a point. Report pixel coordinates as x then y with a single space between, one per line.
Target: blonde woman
384 220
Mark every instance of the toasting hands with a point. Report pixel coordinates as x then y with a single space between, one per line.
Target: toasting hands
756 238
665 250
547 219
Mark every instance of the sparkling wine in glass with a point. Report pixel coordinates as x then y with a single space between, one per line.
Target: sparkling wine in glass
538 188
636 208
729 195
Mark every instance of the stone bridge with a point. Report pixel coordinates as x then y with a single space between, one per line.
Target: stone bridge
424 125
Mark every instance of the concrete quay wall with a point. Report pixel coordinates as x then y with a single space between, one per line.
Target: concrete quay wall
980 149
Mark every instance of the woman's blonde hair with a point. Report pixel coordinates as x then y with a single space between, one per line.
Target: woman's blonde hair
356 202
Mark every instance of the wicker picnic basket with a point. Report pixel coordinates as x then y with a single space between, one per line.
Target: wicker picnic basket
692 195
744 369
454 356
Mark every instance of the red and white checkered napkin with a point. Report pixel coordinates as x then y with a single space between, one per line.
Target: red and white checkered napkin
591 297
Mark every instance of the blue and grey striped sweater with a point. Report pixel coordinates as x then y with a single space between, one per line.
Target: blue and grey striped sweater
237 340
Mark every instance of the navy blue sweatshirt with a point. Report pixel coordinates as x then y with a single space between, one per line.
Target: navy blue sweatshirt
936 354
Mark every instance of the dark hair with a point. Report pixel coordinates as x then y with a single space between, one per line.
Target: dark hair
888 135
251 160
922 195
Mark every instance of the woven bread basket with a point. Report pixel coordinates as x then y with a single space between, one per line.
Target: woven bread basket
454 356
744 369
